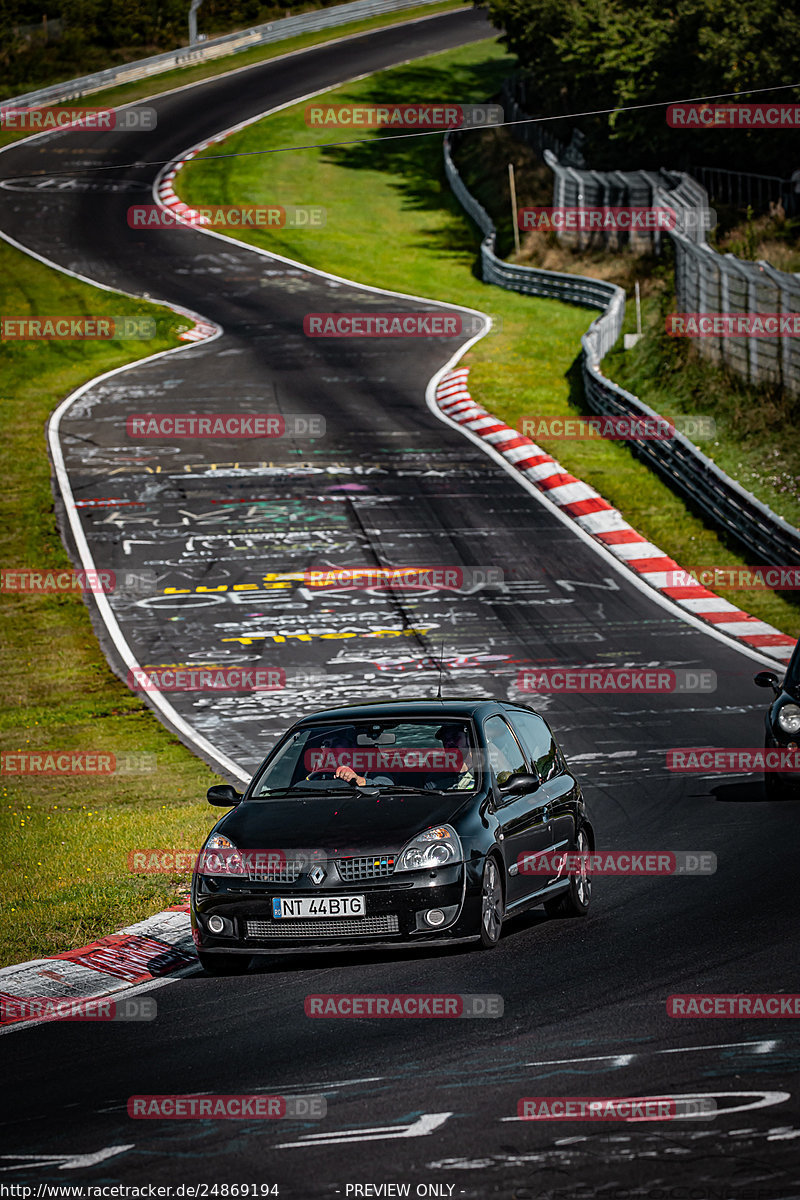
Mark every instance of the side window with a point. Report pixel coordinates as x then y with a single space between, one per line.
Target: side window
505 756
539 743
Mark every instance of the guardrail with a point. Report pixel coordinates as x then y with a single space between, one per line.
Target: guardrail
230 43
679 461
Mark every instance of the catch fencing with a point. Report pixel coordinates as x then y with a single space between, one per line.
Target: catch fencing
740 188
679 461
705 281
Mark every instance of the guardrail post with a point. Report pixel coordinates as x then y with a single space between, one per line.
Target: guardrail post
787 293
193 21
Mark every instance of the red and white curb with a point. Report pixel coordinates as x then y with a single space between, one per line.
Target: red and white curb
169 198
139 954
603 522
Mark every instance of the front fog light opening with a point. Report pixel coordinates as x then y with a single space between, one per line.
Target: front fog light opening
434 917
216 924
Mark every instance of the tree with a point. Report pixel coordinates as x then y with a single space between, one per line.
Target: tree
585 55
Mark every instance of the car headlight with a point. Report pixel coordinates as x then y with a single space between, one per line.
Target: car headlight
219 856
435 847
789 718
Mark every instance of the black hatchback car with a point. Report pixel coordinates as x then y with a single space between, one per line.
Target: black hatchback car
782 724
404 823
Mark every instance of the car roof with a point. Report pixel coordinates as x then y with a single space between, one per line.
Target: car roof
399 709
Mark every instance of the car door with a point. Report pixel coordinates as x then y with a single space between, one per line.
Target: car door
557 788
523 823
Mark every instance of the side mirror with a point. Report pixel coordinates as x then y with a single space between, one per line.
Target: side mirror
768 679
224 795
518 783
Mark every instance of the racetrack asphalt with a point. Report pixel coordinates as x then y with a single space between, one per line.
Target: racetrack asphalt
584 1002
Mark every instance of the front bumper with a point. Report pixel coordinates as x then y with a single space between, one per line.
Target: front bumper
395 913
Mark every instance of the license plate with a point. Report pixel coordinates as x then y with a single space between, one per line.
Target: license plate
318 906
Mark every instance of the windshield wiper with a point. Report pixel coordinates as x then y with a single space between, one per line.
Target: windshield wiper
297 787
407 787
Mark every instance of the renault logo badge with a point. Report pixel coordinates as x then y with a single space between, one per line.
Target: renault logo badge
317 874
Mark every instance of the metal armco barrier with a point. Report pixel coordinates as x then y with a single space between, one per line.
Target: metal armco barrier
231 43
678 460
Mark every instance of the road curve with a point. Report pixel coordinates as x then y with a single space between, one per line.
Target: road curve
584 1003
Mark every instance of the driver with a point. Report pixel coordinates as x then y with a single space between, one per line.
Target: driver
345 739
454 738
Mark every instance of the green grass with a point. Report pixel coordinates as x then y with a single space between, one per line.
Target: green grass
63 874
392 221
157 84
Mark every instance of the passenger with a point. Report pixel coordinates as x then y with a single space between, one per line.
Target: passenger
454 738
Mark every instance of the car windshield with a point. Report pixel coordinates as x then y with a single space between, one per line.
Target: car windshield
430 755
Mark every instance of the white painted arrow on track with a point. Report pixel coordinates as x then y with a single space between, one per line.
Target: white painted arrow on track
65 1162
423 1125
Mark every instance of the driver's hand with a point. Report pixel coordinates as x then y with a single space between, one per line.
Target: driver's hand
349 776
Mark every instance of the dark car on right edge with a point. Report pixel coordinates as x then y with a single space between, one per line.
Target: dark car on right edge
782 722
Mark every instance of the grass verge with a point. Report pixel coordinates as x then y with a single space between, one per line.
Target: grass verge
63 876
392 221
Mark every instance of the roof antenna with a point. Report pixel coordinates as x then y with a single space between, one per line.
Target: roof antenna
441 664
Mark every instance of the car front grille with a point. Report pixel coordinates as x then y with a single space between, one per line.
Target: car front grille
346 927
286 871
372 866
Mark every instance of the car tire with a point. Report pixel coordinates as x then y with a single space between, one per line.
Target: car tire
774 788
576 900
492 904
778 788
223 964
